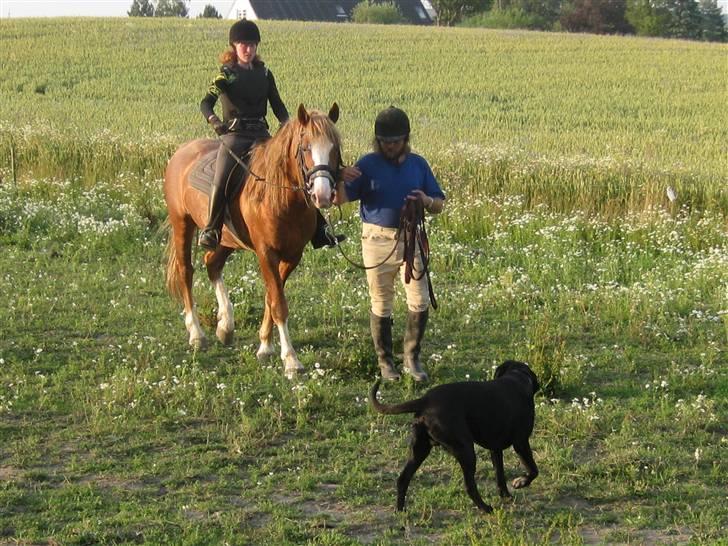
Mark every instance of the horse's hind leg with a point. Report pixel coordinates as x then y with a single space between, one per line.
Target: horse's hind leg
180 274
215 261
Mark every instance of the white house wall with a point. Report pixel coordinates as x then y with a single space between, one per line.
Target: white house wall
240 9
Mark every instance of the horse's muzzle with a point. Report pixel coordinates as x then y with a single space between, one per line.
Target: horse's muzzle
321 186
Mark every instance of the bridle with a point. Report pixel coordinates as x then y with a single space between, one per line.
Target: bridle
308 174
320 170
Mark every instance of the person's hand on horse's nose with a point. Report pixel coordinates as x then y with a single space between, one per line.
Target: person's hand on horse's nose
350 173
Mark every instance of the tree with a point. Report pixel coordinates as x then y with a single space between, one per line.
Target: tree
547 10
384 13
648 19
597 16
713 25
450 12
686 19
171 8
141 8
209 13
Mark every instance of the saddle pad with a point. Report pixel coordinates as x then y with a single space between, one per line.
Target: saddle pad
203 172
201 177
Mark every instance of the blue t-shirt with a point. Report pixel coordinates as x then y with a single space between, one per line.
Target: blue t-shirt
383 187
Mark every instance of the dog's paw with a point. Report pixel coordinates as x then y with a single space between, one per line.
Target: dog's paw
505 494
518 483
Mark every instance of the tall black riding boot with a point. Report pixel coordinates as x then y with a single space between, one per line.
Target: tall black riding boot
416 323
210 236
320 237
381 328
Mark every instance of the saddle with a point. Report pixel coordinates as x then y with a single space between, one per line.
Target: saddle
201 177
414 234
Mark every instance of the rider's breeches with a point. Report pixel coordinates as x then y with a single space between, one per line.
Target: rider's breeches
377 242
225 162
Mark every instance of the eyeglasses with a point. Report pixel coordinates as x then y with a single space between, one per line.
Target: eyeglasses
390 140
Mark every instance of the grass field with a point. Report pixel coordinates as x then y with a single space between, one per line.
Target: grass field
558 246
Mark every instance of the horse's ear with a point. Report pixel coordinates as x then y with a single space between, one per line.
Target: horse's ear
334 113
303 116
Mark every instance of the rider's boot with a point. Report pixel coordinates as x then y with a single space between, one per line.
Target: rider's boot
321 237
210 236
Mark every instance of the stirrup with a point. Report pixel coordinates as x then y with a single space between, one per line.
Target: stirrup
209 239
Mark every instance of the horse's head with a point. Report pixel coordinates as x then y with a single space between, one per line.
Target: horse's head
319 154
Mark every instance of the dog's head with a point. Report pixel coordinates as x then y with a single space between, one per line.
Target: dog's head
513 366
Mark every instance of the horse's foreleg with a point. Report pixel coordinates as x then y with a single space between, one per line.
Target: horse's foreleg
288 354
266 329
215 261
275 274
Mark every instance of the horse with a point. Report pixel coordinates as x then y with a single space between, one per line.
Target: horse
289 176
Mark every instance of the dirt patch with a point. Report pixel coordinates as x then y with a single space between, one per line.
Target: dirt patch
646 537
10 473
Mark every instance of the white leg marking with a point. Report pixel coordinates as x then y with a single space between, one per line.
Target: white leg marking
265 350
225 315
197 336
288 353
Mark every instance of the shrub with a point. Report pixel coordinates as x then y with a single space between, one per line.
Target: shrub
384 13
507 18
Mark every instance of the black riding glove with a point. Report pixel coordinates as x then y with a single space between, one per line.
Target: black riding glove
219 127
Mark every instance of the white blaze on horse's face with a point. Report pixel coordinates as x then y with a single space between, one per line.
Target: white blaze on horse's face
320 184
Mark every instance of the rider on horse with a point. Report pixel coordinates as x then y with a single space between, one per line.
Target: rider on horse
383 181
244 86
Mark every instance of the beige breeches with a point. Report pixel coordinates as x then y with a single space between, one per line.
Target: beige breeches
377 242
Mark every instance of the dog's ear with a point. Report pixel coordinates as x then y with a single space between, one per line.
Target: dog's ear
503 368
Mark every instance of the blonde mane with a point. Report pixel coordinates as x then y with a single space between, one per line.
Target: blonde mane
272 159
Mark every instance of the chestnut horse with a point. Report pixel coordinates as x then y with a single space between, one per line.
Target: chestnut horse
289 176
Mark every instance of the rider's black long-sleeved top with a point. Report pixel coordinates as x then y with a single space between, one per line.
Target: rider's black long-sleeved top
244 93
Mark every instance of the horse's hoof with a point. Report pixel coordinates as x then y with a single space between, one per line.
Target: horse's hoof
225 337
292 373
265 351
199 343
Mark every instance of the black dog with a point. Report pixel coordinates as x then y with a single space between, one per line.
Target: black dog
493 414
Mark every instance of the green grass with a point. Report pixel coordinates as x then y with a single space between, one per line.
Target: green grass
601 123
557 247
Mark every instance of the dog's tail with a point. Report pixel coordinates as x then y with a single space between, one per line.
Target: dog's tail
411 406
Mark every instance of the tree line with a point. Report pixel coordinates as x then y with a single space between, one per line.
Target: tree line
168 8
686 19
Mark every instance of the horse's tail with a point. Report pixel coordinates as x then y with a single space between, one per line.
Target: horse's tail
411 406
173 280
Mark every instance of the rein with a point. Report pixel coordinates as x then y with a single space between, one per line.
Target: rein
306 174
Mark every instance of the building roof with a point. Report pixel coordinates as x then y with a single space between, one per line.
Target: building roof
330 10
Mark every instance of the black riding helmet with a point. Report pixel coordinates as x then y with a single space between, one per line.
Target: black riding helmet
392 124
244 31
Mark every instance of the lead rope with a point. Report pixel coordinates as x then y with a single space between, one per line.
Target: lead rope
412 228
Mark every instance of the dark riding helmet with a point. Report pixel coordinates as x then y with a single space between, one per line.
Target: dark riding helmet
244 31
392 124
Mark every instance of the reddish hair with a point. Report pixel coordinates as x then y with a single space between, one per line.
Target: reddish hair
230 57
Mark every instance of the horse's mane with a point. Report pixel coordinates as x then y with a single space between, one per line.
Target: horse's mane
273 158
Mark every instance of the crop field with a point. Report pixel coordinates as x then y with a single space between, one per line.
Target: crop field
558 246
